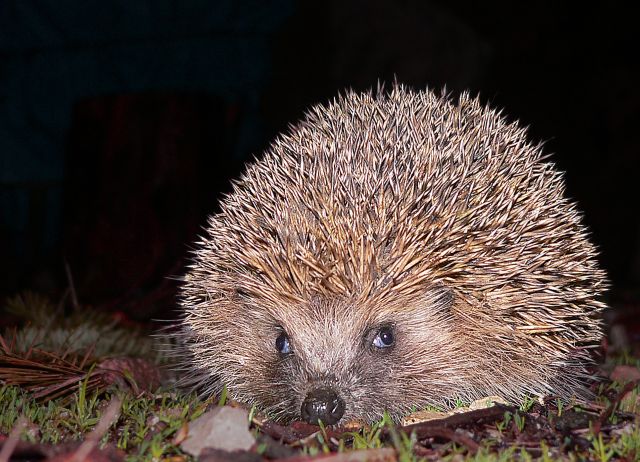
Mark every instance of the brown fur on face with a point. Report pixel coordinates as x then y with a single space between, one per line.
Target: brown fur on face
399 210
332 346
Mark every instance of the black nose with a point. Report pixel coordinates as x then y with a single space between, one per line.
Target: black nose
322 404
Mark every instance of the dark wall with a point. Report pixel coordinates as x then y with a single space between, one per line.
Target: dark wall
165 95
107 108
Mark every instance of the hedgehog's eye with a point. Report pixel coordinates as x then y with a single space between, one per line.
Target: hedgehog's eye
384 338
282 344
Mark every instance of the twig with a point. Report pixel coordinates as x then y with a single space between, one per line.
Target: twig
427 429
597 426
445 428
3 345
72 287
279 432
12 441
57 312
92 440
452 435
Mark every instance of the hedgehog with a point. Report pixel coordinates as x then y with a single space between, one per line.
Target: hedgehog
394 250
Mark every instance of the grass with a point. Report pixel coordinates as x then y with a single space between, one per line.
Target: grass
147 426
150 426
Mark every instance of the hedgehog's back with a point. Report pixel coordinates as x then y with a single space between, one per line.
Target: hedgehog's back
408 186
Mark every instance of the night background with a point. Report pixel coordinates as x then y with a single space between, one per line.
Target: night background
123 122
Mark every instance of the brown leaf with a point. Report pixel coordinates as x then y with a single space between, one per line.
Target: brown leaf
181 434
625 373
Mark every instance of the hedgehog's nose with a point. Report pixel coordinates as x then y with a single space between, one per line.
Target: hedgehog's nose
322 404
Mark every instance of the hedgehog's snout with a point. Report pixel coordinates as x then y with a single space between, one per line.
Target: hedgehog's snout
322 404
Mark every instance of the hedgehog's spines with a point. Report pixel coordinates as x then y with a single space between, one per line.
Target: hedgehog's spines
372 201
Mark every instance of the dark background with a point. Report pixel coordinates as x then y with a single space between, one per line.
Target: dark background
122 122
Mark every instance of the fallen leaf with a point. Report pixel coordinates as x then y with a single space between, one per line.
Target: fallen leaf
223 428
484 403
625 373
181 434
423 416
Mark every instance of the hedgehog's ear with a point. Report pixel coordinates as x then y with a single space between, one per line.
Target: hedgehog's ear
431 308
239 295
440 298
240 292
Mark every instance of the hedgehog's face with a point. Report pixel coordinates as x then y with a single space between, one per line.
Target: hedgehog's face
335 360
